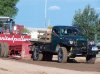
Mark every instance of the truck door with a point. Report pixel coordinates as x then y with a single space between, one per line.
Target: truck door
55 38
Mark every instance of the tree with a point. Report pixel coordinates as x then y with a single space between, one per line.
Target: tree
98 29
8 8
26 31
87 20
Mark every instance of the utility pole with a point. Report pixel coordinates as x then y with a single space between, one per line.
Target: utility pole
45 13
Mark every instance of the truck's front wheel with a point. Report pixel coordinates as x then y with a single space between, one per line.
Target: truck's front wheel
37 56
62 55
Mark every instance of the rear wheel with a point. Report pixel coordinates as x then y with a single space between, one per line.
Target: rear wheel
1 49
37 56
6 48
90 59
62 55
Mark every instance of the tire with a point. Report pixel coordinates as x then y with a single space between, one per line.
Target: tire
90 59
1 49
6 48
62 55
47 56
37 56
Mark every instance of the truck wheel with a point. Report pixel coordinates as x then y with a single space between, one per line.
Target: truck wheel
62 55
37 56
6 48
47 56
90 59
1 49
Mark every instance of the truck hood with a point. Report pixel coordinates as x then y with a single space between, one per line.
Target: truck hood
76 38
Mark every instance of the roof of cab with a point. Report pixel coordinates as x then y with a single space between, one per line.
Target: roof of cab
5 17
65 26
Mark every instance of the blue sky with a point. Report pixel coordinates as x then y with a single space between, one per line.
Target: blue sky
59 12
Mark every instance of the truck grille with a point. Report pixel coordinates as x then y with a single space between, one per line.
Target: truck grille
81 43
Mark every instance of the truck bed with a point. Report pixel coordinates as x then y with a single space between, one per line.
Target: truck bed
43 37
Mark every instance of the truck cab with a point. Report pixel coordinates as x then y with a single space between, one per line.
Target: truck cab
68 36
65 41
6 24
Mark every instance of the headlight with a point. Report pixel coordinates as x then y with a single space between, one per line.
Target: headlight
71 42
94 48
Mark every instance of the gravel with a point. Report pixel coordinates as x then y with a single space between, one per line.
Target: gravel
15 67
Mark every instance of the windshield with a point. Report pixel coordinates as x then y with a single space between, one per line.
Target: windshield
70 31
5 24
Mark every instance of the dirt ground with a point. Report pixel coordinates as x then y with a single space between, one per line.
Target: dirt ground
28 66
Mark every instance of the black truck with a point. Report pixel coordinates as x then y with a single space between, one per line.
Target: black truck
65 41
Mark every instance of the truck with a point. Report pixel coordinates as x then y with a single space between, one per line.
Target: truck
12 42
65 41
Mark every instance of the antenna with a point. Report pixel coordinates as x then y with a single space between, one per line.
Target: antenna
45 13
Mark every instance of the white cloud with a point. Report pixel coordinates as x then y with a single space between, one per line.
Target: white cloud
54 8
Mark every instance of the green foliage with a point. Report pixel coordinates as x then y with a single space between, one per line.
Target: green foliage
8 8
88 20
25 30
98 29
49 27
